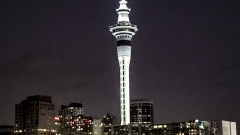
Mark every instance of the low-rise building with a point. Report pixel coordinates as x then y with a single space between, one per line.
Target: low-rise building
6 130
196 127
226 127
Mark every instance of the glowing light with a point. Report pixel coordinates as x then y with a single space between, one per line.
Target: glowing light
56 118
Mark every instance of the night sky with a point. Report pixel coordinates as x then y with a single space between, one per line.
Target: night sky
185 56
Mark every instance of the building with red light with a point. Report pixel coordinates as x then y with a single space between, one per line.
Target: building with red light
72 121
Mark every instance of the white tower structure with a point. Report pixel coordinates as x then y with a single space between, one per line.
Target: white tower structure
124 31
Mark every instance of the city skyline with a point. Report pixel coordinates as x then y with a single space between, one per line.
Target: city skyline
185 57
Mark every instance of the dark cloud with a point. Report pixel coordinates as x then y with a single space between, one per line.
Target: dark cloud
51 74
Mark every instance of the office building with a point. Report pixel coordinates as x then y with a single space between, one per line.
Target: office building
35 116
57 125
72 121
131 129
192 127
141 111
77 125
109 119
73 109
97 126
67 114
71 118
226 127
124 31
6 130
87 125
115 130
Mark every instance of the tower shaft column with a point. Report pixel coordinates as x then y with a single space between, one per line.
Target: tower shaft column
124 56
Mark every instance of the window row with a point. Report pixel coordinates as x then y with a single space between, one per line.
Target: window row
124 36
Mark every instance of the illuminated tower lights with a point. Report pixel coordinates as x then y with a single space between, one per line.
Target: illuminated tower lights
124 31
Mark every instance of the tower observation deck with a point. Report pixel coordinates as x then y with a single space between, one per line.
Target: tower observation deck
124 31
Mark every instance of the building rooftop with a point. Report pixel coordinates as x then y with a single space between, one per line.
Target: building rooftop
40 98
6 126
141 100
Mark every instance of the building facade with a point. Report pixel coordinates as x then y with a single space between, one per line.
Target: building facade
196 127
97 126
226 127
141 111
69 114
131 129
193 127
124 31
71 119
77 125
109 119
6 130
35 116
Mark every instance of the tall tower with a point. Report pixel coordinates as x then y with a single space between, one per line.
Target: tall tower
124 31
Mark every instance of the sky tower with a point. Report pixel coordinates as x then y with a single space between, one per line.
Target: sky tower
124 31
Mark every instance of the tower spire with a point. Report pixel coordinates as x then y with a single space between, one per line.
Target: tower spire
123 11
